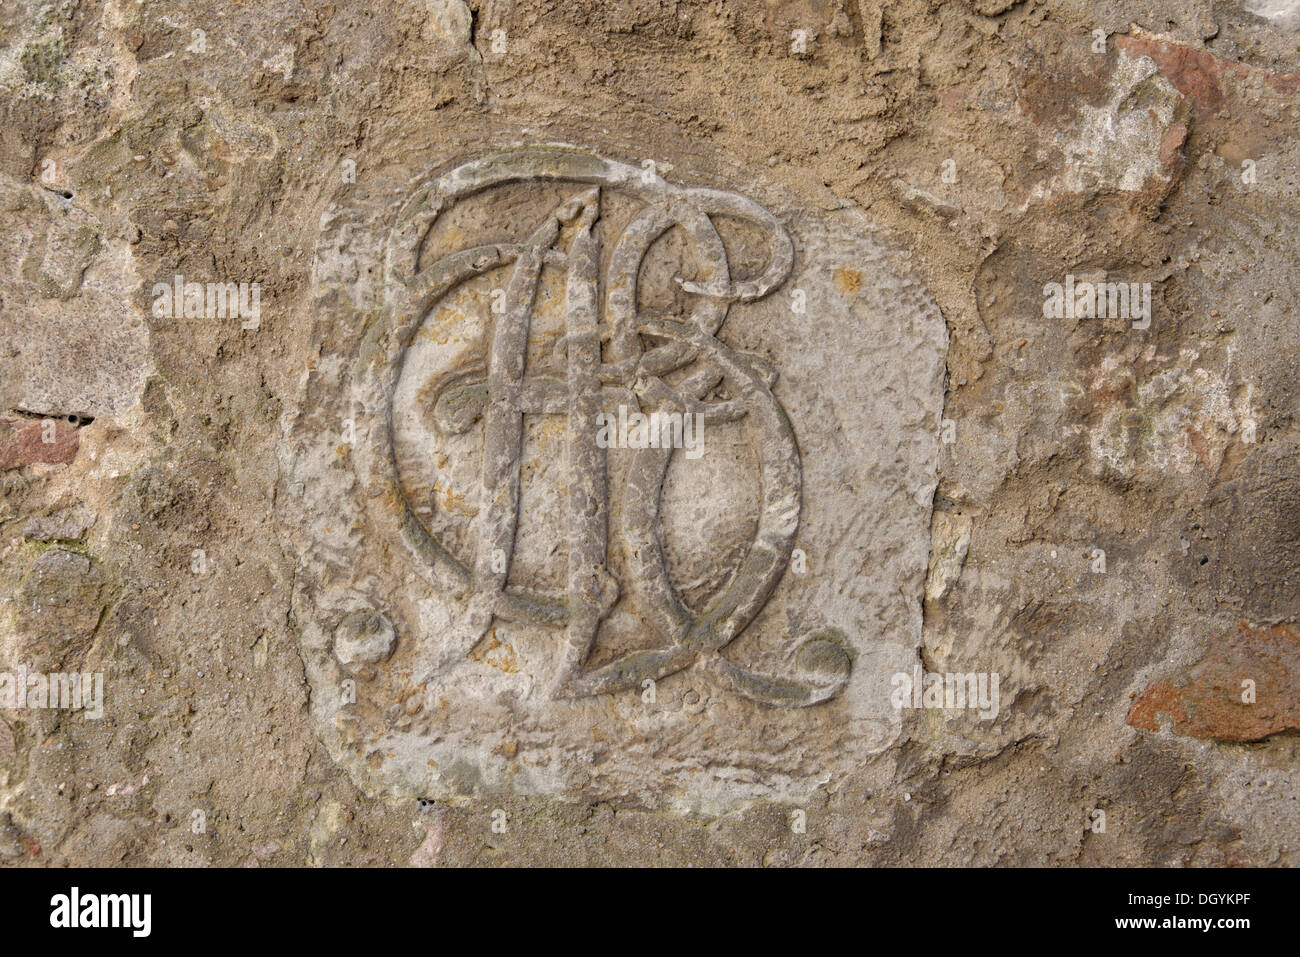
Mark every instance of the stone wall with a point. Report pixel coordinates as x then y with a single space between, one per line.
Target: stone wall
987 310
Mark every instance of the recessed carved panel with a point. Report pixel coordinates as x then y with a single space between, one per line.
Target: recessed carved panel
588 533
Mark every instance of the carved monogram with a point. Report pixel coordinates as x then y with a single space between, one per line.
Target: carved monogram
608 352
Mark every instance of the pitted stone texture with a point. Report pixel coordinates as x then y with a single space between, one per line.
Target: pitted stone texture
68 524
72 291
57 610
1280 13
456 713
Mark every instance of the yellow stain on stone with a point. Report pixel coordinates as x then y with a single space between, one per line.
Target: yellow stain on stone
847 280
453 501
504 660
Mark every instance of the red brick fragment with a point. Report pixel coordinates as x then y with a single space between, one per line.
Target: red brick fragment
1209 704
1197 74
22 442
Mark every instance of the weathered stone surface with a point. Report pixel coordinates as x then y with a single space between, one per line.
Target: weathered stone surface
363 638
11 843
950 538
58 607
690 547
80 348
1073 502
68 524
